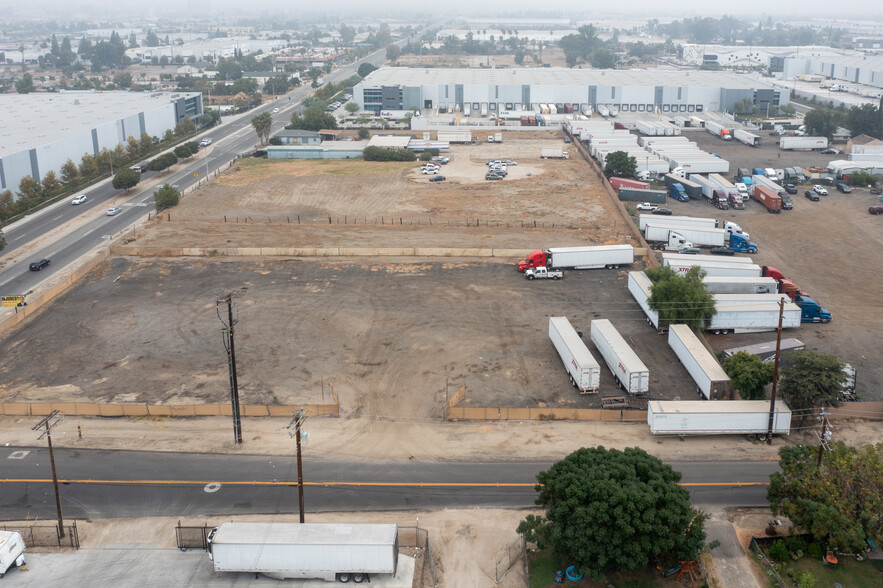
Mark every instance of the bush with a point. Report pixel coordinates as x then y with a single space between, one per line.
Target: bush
363 133
796 544
814 550
805 580
164 161
183 151
166 197
779 550
126 179
425 156
381 154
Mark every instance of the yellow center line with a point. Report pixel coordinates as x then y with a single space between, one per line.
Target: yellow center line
327 484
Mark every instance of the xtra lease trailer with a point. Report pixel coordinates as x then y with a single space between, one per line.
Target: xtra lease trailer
753 318
737 285
584 371
588 257
669 258
455 136
767 351
727 417
639 287
627 368
747 270
679 221
803 143
749 139
711 380
330 552
699 236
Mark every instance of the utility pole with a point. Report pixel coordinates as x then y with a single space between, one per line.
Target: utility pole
824 437
769 434
227 336
49 422
297 419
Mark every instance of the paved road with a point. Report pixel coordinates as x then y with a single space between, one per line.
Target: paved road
231 139
104 484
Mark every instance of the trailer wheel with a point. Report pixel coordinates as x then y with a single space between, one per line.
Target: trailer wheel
751 437
343 578
725 332
359 578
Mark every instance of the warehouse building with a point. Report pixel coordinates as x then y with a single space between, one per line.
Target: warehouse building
42 131
488 92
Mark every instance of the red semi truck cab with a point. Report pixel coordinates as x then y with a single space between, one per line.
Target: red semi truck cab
534 259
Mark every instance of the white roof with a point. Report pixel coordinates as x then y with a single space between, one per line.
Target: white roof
713 406
390 141
305 534
703 357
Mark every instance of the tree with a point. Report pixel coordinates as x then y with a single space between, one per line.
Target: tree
30 190
864 120
811 380
151 40
614 510
681 298
821 122
262 124
365 69
123 80
744 106
229 70
209 119
620 164
87 165
2 239
351 107
25 85
146 143
519 57
185 127
183 151
69 172
749 375
364 133
276 85
51 184
166 197
393 52
602 59
125 179
839 500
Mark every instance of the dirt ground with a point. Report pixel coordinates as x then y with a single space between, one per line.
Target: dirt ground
830 248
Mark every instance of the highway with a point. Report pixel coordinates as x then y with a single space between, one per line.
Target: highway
229 140
124 484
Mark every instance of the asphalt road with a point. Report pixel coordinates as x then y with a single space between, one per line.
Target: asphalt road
124 484
229 140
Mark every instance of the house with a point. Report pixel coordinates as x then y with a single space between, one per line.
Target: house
329 134
298 137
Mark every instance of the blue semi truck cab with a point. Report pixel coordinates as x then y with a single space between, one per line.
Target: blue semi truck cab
741 244
677 192
811 312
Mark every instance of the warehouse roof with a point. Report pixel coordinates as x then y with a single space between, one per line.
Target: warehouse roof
390 141
30 120
558 76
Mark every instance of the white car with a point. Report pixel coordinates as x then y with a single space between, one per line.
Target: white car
205 142
429 171
510 162
820 190
275 111
79 199
646 206
114 211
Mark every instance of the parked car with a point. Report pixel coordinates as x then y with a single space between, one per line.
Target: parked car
790 188
874 190
646 206
722 251
493 162
437 179
139 167
871 209
79 199
664 211
275 111
830 151
428 171
205 142
440 159
510 162
114 211
820 190
811 195
844 187
690 251
40 264
490 176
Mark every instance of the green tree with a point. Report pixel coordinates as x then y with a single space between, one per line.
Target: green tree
151 40
262 124
364 133
146 143
30 190
51 184
519 57
133 148
821 122
864 120
87 165
2 239
276 85
365 68
25 85
209 119
351 107
837 501
123 80
229 70
749 375
7 204
393 52
185 127
620 164
166 197
126 179
744 106
681 298
811 380
183 151
603 59
614 510
69 172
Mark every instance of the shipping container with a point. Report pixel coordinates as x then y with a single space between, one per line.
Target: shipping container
727 417
627 368
711 380
582 368
639 195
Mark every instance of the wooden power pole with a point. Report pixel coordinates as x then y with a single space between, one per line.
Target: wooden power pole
769 434
227 333
297 419
47 424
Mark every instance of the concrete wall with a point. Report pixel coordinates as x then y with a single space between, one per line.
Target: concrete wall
167 410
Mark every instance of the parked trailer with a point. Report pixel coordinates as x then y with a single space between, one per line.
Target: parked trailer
751 298
749 139
699 236
618 183
708 187
330 552
767 197
588 257
729 417
718 269
455 136
639 287
753 318
718 129
737 285
767 351
552 153
639 195
669 258
711 380
803 143
12 551
627 368
680 221
693 190
584 371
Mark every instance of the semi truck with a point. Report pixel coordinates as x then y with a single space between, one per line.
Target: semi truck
12 551
711 191
693 190
740 244
590 257
767 197
718 269
734 196
719 130
810 143
787 203
767 351
678 192
749 139
329 552
698 236
584 371
711 380
553 153
729 417
737 285
811 311
627 368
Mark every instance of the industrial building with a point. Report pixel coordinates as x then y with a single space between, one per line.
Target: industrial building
40 132
851 67
488 92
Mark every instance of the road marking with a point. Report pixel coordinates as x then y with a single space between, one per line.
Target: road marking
21 237
333 484
58 217
213 487
19 455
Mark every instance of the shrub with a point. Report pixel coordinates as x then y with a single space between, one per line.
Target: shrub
805 580
779 550
381 154
164 161
796 544
166 197
425 156
814 550
182 151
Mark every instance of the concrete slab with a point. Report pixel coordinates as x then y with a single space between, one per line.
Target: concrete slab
138 566
732 563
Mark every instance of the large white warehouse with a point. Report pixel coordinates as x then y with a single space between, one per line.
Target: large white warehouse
39 132
495 90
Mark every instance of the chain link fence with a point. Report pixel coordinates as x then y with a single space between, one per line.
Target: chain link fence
768 566
508 557
48 535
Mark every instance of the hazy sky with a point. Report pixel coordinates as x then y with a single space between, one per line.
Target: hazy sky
641 9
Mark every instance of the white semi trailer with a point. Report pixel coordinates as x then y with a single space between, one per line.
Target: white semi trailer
584 371
711 380
726 417
627 368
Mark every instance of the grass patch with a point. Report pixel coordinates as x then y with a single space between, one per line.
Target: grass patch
849 573
543 566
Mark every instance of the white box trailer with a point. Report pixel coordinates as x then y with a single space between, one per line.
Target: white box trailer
749 139
708 187
584 371
726 417
680 221
590 257
699 236
455 136
627 368
712 381
639 287
12 551
740 298
737 285
757 317
803 143
669 258
747 270
767 351
335 551
700 164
